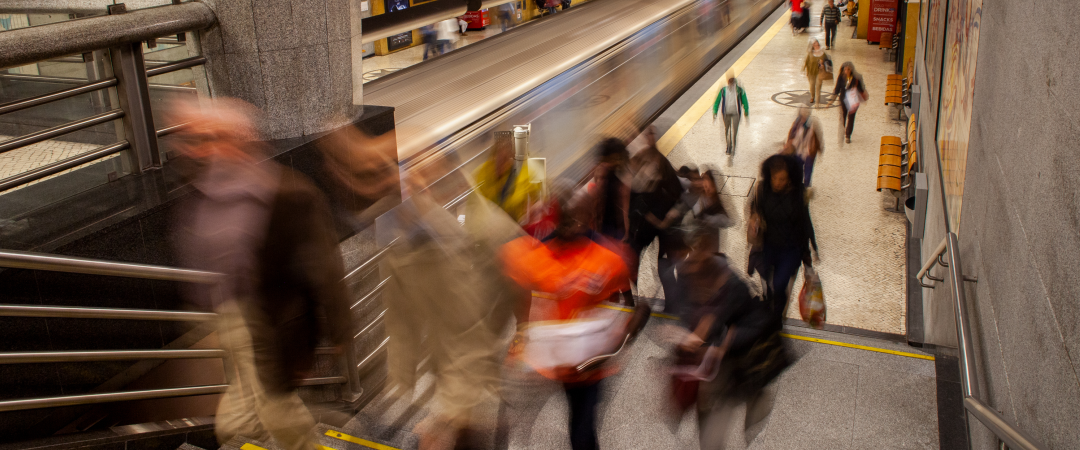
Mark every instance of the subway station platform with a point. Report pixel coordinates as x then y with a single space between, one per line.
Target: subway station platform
844 390
861 244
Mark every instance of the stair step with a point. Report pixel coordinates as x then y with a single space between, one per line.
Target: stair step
186 446
355 439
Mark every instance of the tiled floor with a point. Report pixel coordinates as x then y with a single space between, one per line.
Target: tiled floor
30 157
831 397
861 244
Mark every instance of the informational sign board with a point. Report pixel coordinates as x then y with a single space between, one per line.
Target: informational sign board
399 41
396 5
882 19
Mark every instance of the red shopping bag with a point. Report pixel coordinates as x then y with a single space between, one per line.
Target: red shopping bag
812 299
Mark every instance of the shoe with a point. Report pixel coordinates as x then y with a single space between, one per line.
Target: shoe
848 139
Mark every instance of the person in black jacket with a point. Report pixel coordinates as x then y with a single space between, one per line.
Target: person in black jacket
655 191
852 92
779 202
725 325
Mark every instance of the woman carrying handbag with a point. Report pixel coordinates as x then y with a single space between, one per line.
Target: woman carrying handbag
852 92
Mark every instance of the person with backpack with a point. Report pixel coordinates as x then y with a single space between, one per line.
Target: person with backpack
730 102
851 91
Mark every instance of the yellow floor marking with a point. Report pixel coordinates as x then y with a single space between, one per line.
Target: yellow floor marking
704 104
620 308
323 447
860 347
251 447
356 440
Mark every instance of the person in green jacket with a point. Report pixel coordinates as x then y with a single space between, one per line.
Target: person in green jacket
729 102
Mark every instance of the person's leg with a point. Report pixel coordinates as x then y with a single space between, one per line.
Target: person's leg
817 89
758 408
735 131
786 266
832 33
850 123
808 170
583 400
727 132
813 82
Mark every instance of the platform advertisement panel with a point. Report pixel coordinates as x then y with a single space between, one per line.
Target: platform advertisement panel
957 97
477 19
882 19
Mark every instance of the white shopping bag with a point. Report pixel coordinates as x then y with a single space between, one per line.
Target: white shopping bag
570 343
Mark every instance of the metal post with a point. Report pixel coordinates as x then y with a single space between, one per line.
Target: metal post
130 70
351 390
521 141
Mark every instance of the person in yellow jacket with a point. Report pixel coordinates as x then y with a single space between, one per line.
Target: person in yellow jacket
503 184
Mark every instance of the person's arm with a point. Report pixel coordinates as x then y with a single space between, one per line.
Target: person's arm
745 103
809 230
716 104
695 339
838 89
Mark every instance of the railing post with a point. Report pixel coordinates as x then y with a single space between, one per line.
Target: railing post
351 390
134 93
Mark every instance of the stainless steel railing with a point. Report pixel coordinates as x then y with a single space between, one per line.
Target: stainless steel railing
1005 430
37 261
121 34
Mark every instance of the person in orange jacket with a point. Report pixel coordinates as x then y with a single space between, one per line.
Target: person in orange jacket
578 274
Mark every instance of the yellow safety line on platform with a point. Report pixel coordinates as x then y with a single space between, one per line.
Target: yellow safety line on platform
251 447
860 347
356 440
620 308
677 131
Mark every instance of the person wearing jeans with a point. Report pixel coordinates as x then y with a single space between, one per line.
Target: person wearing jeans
830 18
730 102
852 92
789 232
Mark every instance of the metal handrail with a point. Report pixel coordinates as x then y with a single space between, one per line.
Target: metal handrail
108 397
176 65
62 129
70 264
1005 430
106 355
69 312
28 45
930 262
15 181
371 294
58 95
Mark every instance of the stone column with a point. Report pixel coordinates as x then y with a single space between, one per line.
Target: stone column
294 59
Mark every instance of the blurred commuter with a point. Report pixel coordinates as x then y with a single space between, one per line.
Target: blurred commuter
730 103
463 24
815 68
578 274
805 141
704 205
269 231
796 16
566 4
726 331
552 6
609 194
430 37
852 92
362 175
446 35
830 18
655 191
611 191
436 299
779 229
503 182
507 13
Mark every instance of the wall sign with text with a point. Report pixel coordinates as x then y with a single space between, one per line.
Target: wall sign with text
882 19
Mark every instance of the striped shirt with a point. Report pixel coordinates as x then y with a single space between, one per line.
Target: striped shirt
830 14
